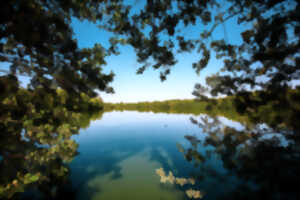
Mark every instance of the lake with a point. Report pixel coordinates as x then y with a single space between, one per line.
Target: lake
120 153
133 155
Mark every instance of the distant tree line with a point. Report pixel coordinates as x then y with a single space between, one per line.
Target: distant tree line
272 113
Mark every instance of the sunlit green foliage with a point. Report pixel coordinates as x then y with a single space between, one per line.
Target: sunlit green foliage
273 113
36 128
36 40
37 122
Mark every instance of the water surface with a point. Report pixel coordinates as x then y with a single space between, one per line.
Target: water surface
119 153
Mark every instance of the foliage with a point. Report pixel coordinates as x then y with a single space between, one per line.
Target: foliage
36 40
195 107
37 122
272 113
265 166
35 140
44 48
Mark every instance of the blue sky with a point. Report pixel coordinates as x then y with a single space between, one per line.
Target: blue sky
130 87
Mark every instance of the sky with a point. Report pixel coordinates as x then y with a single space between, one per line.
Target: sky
130 87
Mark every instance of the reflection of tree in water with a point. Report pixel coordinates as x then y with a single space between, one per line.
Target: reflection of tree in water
35 140
170 178
266 162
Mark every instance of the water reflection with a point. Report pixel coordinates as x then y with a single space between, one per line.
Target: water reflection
265 163
170 178
118 157
35 156
120 161
136 181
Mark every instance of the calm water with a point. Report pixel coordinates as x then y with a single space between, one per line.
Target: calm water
119 155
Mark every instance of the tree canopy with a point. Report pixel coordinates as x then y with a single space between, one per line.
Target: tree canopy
37 40
44 47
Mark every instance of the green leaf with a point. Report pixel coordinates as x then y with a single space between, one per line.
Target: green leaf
34 178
